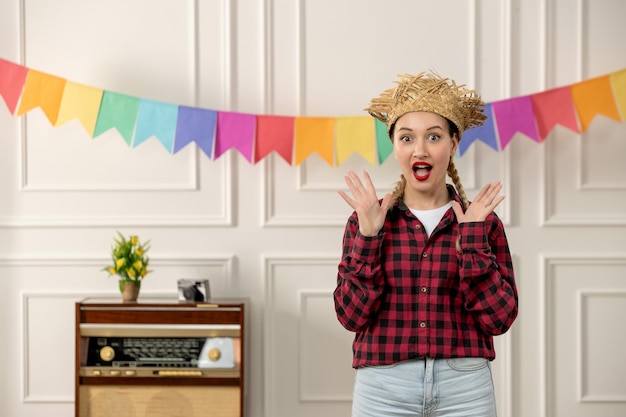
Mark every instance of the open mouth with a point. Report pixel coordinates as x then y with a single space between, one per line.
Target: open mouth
421 170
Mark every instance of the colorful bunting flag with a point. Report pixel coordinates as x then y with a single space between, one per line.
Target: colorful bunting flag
593 97
195 125
618 84
384 146
156 119
294 138
485 133
314 134
512 116
117 111
235 130
44 91
274 133
12 79
554 107
355 135
80 102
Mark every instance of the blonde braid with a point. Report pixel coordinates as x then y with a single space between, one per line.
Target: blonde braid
453 173
398 191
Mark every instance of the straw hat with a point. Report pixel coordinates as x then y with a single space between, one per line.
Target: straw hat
433 93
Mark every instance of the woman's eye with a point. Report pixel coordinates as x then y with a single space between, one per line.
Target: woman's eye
405 138
433 137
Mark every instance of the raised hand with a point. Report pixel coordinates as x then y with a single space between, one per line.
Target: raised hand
365 202
483 204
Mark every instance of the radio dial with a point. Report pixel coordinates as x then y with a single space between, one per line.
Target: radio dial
107 353
215 354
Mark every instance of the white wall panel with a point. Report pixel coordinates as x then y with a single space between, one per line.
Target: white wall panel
304 341
585 182
125 50
582 337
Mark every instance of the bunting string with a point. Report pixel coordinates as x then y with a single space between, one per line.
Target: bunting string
293 138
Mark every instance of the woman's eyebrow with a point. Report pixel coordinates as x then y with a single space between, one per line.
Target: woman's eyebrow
427 129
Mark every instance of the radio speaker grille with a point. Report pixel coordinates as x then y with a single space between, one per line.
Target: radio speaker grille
158 401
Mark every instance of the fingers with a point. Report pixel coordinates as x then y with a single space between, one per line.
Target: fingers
356 186
489 193
488 196
347 199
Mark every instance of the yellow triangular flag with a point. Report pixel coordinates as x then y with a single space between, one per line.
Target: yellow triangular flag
313 134
81 102
618 82
42 90
355 134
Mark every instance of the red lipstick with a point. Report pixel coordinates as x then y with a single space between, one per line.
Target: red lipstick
421 170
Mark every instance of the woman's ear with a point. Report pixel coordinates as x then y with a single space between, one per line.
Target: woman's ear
455 144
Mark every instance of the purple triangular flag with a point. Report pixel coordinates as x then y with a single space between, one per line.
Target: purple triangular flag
485 133
195 125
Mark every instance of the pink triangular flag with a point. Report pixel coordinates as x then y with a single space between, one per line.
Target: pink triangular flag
512 116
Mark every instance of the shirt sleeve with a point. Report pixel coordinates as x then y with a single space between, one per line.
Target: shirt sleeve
486 275
360 280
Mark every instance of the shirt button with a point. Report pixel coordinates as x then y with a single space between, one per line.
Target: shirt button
424 289
418 227
422 324
424 255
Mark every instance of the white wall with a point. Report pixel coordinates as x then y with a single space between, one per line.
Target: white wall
272 232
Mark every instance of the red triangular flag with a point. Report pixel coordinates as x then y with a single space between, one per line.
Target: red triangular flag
274 133
12 79
554 107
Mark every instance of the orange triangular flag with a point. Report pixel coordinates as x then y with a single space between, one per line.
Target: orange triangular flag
618 82
314 134
81 102
593 97
42 90
355 134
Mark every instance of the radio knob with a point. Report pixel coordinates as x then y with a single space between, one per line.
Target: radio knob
107 353
215 354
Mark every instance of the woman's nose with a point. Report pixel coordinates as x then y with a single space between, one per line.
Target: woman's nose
419 149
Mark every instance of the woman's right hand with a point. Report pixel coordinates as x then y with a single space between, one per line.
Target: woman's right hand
365 202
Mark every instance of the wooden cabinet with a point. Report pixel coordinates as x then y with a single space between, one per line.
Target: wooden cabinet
116 375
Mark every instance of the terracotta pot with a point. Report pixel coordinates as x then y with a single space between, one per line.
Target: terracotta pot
130 291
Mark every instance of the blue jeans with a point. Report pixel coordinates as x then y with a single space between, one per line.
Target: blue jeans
461 387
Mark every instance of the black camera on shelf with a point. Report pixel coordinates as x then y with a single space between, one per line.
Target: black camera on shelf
193 290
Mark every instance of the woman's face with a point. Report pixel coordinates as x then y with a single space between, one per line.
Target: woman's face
422 145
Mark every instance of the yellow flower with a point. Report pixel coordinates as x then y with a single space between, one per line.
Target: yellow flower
129 260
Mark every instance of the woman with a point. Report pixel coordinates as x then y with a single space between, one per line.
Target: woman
426 278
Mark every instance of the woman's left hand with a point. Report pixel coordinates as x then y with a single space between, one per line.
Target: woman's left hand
480 207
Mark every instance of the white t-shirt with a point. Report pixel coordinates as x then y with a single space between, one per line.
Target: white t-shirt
431 218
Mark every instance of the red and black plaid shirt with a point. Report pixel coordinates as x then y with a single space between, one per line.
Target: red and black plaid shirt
406 295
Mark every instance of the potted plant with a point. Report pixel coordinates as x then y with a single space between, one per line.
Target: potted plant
130 264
